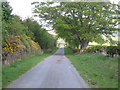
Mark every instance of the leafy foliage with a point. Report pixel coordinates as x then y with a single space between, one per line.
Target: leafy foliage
40 35
14 25
94 49
113 50
109 50
6 11
79 22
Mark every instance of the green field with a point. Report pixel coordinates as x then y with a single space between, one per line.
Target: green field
98 71
12 72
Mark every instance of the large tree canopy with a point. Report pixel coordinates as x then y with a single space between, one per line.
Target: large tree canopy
79 22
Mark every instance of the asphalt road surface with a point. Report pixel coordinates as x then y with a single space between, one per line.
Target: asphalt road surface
55 71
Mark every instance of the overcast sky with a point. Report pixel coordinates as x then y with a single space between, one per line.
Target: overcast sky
23 8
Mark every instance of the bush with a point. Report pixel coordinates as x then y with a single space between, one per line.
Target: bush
112 50
94 49
17 47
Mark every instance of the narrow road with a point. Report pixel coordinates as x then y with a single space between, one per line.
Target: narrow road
55 71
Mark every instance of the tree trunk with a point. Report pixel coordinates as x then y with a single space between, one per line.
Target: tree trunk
83 46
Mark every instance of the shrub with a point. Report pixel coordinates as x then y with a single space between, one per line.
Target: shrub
94 49
17 47
112 50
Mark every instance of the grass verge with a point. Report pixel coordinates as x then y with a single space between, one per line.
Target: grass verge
13 71
97 70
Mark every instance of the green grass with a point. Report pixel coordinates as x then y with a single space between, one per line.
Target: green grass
13 71
0 75
98 71
68 51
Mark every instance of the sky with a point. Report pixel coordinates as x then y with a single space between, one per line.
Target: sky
23 8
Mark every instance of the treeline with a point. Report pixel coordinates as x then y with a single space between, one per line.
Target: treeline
22 38
14 25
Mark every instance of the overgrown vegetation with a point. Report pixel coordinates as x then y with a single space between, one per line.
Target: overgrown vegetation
14 25
98 71
27 34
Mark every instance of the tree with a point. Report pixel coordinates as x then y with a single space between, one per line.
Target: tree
32 27
6 19
16 27
6 11
39 34
79 22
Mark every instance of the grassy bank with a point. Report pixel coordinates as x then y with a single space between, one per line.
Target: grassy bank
12 72
98 71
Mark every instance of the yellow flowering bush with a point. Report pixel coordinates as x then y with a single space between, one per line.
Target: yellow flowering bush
35 45
12 44
16 42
